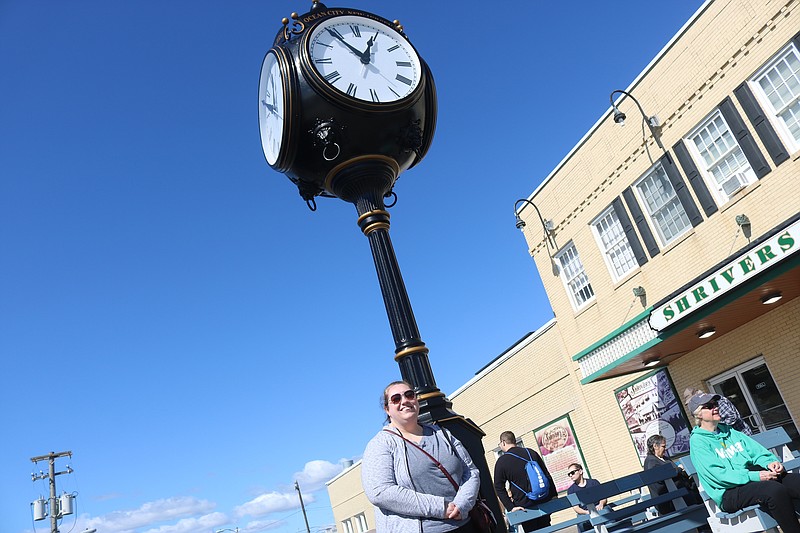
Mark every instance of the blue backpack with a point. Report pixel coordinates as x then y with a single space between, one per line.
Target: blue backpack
540 485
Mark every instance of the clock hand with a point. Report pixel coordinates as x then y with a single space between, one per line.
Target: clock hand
365 55
271 108
348 45
373 68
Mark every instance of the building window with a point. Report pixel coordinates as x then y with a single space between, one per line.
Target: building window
614 243
721 160
574 276
361 523
777 86
664 208
347 526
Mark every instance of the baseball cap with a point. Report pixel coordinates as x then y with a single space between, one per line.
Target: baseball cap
700 399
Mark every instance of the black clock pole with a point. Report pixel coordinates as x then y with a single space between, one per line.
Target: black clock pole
365 184
349 134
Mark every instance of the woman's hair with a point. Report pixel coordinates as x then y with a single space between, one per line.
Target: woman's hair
385 401
653 441
576 465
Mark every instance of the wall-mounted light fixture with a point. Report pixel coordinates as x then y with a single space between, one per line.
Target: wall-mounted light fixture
652 121
744 224
639 292
706 332
547 225
771 298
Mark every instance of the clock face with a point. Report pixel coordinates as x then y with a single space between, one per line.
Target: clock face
271 107
364 59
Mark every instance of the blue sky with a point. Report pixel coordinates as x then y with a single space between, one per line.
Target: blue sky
172 312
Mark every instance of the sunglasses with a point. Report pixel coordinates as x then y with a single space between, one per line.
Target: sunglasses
395 399
572 472
710 405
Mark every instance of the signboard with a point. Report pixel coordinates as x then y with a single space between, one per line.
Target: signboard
559 448
744 267
650 406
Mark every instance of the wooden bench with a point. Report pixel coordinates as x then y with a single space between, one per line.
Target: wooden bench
750 519
544 509
623 518
561 504
683 518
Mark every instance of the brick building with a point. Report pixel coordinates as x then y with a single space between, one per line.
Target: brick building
669 252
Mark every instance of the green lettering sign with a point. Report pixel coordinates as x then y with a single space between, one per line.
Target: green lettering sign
747 265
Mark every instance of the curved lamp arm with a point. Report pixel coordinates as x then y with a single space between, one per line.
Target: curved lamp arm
521 223
619 116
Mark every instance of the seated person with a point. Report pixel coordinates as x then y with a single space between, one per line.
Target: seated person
575 473
656 456
736 471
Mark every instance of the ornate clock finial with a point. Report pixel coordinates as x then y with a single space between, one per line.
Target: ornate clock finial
316 5
397 25
297 26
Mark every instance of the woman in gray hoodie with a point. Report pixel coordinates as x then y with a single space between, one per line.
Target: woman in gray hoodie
409 491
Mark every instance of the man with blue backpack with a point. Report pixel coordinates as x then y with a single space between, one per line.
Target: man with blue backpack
528 480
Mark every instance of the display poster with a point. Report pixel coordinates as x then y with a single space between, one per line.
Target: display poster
559 448
650 407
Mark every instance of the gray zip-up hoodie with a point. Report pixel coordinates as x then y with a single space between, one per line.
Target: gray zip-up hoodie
409 492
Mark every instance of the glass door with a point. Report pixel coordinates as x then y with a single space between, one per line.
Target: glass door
752 390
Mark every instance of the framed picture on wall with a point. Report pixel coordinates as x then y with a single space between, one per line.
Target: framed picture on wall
559 448
650 406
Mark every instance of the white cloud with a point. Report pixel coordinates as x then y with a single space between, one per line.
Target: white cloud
194 515
315 474
192 525
271 502
151 513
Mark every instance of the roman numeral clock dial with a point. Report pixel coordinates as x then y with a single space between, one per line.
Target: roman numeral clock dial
272 107
363 59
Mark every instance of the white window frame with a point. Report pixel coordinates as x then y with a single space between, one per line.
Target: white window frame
742 174
578 300
792 144
614 244
361 523
347 525
670 203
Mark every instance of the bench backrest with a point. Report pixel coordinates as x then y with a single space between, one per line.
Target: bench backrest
627 483
777 440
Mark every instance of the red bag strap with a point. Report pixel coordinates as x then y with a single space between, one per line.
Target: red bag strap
432 458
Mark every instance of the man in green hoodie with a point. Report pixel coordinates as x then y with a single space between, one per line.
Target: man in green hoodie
736 471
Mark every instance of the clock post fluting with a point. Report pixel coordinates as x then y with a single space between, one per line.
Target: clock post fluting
346 104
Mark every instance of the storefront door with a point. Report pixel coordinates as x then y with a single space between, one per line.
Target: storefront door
753 391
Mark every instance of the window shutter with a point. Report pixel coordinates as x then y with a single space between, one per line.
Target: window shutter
641 222
695 179
763 128
679 185
742 134
630 233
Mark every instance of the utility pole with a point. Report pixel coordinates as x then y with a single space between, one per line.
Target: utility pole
51 475
303 507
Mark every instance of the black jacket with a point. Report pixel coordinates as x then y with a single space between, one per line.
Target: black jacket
510 468
682 480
